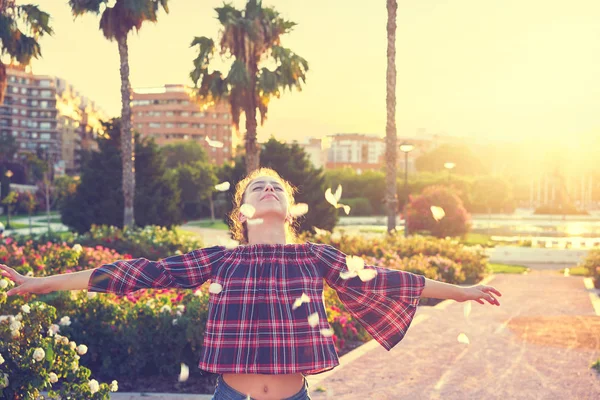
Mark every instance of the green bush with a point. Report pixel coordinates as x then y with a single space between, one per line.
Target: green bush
34 359
592 264
361 206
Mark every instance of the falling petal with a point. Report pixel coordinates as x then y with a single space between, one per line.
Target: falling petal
320 232
437 212
247 210
255 221
467 309
327 332
366 275
184 374
297 303
567 272
355 263
348 274
229 243
214 143
301 300
299 209
338 193
215 288
330 197
313 320
346 209
223 187
462 338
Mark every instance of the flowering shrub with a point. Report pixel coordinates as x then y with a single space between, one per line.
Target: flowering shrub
34 358
441 259
152 242
419 215
592 264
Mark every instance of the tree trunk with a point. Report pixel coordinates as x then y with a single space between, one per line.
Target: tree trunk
3 78
127 145
252 150
390 129
212 208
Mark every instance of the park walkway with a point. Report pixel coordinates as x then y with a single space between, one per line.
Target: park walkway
539 344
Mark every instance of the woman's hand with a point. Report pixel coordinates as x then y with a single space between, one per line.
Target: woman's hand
479 293
25 284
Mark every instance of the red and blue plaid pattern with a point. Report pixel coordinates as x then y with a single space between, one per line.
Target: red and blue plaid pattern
251 326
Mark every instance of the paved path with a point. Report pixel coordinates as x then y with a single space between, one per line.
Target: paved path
539 344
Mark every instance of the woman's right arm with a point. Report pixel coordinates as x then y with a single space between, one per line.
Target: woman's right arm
46 284
188 270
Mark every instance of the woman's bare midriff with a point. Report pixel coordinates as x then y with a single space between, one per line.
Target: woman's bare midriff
266 387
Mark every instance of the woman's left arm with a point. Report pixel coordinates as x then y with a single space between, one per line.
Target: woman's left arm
479 293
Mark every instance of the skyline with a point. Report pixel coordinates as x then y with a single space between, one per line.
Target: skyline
503 71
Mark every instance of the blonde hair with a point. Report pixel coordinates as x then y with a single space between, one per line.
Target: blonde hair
239 230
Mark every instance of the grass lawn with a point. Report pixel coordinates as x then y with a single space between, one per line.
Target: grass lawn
506 269
472 239
17 225
206 223
580 271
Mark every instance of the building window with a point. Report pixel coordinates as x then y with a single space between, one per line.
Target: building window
45 83
43 104
154 125
45 136
184 125
35 92
15 89
214 115
23 90
45 125
140 126
185 114
169 113
214 126
169 125
34 135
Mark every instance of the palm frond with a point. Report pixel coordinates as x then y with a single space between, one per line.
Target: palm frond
228 14
206 49
79 7
37 20
238 75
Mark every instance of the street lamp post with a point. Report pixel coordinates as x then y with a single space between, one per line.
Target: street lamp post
449 166
406 148
9 175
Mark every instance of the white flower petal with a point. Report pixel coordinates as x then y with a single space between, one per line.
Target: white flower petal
223 186
467 309
320 232
313 320
184 374
462 338
297 303
215 288
437 212
214 143
327 332
366 275
346 209
299 209
355 263
330 197
348 274
247 210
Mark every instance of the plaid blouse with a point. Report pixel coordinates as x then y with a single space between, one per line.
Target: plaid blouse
252 326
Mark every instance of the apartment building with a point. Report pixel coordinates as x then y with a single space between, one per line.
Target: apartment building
47 115
169 115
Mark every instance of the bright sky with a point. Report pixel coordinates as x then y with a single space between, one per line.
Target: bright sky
505 69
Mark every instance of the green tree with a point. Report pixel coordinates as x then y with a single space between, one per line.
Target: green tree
21 27
196 182
180 153
116 23
467 163
251 38
9 201
292 163
98 198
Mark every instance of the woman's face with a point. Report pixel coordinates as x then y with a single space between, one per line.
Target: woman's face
268 197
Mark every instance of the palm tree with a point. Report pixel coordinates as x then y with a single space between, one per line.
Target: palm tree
116 23
390 128
251 37
20 45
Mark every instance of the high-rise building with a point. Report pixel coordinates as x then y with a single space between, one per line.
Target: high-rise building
168 114
47 115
